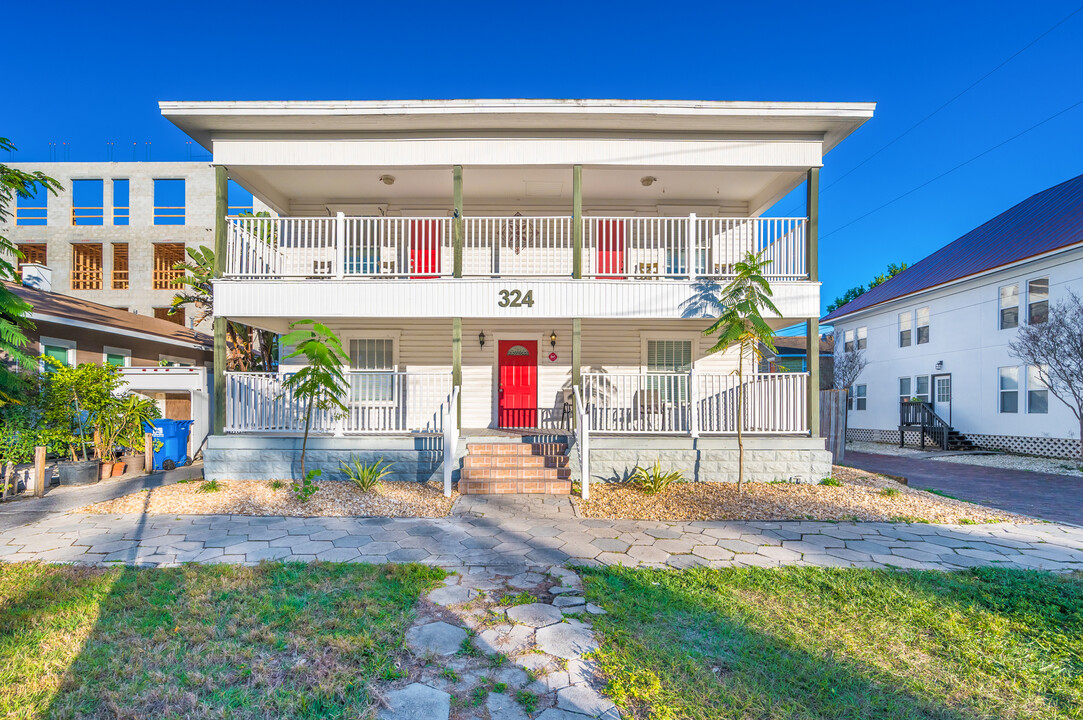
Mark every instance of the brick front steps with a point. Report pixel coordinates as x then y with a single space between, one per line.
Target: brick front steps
510 468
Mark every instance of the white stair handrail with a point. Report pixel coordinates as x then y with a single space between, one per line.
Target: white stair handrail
582 431
451 439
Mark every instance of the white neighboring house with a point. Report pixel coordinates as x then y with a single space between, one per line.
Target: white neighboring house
509 270
939 331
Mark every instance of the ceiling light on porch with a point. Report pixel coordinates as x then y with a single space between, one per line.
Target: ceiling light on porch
387 179
647 180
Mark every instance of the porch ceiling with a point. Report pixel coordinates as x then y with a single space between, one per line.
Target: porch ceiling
505 190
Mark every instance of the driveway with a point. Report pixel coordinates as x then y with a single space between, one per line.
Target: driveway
1050 497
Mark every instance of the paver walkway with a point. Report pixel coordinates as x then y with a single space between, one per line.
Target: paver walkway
515 533
1050 497
507 643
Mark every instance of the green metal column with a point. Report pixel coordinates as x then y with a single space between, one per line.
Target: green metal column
221 203
812 325
457 365
577 221
457 219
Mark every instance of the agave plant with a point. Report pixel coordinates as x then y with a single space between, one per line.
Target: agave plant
366 477
653 481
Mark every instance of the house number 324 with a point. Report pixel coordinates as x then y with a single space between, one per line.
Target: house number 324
516 298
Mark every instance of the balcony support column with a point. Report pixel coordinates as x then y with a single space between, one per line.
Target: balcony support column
457 218
577 221
812 325
457 365
221 202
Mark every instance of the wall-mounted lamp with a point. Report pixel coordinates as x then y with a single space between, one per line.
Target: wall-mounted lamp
481 338
553 339
939 364
387 179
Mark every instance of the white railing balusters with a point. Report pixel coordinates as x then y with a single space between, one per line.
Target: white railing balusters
421 247
695 403
377 402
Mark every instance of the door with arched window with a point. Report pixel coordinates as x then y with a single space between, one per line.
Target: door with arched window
517 386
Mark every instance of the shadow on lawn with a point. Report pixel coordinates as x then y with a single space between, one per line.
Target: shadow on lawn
290 640
733 644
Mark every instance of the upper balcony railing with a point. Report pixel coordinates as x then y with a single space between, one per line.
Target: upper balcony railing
415 247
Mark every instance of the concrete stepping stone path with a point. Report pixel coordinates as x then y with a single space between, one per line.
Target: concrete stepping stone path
473 655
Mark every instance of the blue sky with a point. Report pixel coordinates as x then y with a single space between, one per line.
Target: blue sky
88 74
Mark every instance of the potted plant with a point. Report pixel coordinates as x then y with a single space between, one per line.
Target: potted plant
78 403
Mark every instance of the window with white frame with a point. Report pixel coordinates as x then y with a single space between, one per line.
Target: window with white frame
63 351
1037 392
375 358
121 357
1009 306
1037 301
862 338
848 341
669 356
906 326
923 325
860 397
1009 389
905 387
921 388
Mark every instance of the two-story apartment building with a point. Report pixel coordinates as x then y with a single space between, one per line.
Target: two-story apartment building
113 234
518 269
939 332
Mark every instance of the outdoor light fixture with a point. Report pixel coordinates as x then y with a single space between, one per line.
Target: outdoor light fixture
553 339
647 180
387 179
481 338
939 364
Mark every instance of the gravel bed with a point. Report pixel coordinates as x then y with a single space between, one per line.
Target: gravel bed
257 497
883 449
1007 461
1049 466
861 497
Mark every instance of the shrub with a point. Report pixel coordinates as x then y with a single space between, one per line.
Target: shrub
305 489
367 477
831 482
654 481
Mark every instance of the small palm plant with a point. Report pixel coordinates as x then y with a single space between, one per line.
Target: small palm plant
366 477
320 384
741 324
653 481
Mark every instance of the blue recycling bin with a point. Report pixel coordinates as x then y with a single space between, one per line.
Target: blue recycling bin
170 442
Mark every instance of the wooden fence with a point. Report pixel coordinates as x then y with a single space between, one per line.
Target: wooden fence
833 422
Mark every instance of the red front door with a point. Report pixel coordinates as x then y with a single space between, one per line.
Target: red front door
425 248
517 391
611 249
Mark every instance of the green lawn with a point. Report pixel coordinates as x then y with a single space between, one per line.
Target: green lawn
278 640
809 643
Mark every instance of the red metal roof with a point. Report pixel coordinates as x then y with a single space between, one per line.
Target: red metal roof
1047 221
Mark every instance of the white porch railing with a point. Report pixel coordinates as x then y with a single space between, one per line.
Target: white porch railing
695 403
652 247
613 247
517 246
377 402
